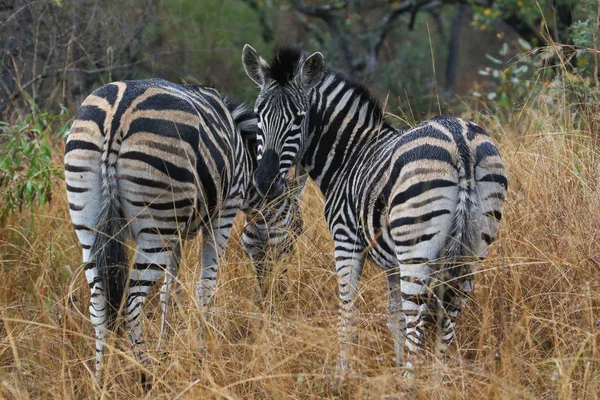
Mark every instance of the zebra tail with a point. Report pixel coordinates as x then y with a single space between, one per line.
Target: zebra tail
462 238
108 250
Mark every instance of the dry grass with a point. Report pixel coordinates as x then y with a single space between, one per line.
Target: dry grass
531 331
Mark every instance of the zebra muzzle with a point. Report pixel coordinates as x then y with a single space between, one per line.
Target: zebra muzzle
267 179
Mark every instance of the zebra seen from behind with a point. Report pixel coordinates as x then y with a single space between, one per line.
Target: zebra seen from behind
157 162
424 204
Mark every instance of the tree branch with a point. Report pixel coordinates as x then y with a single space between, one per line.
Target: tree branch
386 23
88 71
323 12
312 31
454 47
327 14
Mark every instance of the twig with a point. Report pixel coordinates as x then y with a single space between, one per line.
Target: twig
327 14
387 21
596 60
90 71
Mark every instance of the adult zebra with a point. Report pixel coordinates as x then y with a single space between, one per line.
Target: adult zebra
424 204
157 162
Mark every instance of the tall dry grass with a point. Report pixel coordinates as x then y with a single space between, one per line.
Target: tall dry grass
530 331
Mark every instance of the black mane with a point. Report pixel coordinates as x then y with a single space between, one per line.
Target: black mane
285 64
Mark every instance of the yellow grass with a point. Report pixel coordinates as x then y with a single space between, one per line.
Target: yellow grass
530 331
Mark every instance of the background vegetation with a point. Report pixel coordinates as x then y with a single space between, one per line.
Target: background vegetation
527 70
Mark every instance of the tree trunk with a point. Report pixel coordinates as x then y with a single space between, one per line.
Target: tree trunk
454 48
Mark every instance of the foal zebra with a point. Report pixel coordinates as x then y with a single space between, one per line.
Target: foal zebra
157 162
272 225
424 204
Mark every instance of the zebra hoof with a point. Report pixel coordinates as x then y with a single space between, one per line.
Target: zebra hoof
341 387
146 381
338 386
202 353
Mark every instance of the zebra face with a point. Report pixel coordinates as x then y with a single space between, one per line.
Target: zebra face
279 140
281 108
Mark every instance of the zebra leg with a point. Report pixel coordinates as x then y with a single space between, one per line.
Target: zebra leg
212 248
98 309
154 255
261 269
349 260
84 194
451 299
396 319
213 243
166 291
98 306
253 246
415 287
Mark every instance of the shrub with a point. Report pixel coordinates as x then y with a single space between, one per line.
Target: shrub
26 170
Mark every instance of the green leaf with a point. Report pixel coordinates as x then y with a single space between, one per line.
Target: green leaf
524 44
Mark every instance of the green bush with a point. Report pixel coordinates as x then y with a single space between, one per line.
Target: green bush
27 173
513 82
560 75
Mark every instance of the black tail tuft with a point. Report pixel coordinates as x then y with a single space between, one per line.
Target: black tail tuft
108 253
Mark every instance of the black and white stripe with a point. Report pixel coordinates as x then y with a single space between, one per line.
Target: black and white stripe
272 225
424 204
154 162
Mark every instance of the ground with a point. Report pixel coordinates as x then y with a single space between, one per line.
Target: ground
531 329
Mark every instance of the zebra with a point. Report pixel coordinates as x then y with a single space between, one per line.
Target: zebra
157 162
271 226
423 204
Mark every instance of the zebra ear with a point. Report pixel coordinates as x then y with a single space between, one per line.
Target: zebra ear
254 65
312 70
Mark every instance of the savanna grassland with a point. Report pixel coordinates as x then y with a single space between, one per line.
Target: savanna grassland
531 329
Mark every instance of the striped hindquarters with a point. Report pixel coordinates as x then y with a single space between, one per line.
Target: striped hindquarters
163 154
447 199
151 161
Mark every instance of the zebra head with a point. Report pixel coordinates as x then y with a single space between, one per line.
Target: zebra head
281 108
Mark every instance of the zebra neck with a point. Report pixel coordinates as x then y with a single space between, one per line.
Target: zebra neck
345 125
